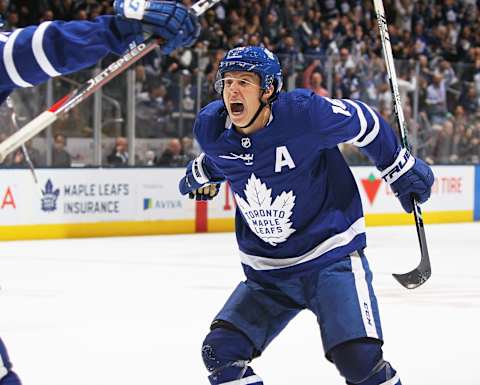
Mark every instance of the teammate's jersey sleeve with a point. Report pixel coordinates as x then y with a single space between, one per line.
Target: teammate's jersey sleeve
32 55
350 121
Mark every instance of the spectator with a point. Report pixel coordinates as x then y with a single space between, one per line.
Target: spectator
443 148
184 94
19 160
385 101
407 83
344 63
188 151
60 156
313 78
476 76
153 109
150 158
436 99
404 14
172 156
271 28
118 157
469 100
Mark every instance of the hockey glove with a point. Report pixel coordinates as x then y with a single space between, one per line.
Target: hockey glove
197 182
205 193
171 21
409 176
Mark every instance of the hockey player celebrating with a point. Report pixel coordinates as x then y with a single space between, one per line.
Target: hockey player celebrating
299 221
34 54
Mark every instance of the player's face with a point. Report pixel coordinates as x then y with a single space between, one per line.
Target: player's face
241 93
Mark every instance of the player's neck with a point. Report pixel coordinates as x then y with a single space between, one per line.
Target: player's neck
260 122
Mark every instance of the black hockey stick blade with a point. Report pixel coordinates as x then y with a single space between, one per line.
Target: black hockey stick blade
423 271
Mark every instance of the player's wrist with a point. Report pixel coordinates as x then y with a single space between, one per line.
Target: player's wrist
129 30
403 162
199 172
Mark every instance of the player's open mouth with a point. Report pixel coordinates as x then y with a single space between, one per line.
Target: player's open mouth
237 108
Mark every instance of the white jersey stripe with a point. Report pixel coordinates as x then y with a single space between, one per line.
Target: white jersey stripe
10 63
372 134
342 239
37 46
245 381
363 296
393 381
361 117
3 37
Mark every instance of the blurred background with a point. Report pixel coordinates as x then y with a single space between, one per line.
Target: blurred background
145 116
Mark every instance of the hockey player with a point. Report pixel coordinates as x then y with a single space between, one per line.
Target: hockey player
299 221
34 54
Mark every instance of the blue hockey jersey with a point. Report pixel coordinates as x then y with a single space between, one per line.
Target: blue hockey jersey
298 206
34 54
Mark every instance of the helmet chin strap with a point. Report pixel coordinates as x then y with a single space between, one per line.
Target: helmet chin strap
260 108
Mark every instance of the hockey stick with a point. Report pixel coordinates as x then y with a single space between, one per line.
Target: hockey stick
423 271
78 95
26 155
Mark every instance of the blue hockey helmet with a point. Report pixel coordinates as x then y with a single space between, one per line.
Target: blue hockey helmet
258 60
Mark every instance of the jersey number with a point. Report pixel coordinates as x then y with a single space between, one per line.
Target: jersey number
339 107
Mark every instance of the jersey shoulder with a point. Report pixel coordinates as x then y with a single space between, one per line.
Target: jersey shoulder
296 100
299 101
294 108
210 123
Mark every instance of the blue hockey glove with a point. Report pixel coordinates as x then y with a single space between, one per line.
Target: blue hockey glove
409 176
169 20
197 182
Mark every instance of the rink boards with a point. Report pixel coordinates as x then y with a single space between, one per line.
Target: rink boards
144 201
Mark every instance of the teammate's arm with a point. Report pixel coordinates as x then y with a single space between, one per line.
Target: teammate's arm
354 122
32 55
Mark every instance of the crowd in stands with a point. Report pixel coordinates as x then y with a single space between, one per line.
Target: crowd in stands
330 46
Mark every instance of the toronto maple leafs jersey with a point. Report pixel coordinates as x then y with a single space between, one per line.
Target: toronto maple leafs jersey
34 54
298 206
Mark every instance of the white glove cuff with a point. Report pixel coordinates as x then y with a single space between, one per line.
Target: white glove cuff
134 9
198 171
400 166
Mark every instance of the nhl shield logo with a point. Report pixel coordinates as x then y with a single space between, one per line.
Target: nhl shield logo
246 143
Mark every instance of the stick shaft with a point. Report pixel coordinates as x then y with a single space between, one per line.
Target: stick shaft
392 74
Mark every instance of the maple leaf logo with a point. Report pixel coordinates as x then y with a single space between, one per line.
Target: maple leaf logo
371 186
49 197
269 221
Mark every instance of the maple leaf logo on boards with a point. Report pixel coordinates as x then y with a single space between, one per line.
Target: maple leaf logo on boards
269 221
371 186
49 197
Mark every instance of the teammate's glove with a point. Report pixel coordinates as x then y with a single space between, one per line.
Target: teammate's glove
171 21
197 182
409 176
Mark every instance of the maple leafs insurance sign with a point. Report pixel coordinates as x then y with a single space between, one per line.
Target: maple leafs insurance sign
269 221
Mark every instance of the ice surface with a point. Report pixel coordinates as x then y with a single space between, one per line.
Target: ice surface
134 311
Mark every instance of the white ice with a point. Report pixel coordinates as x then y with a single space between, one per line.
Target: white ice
134 311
